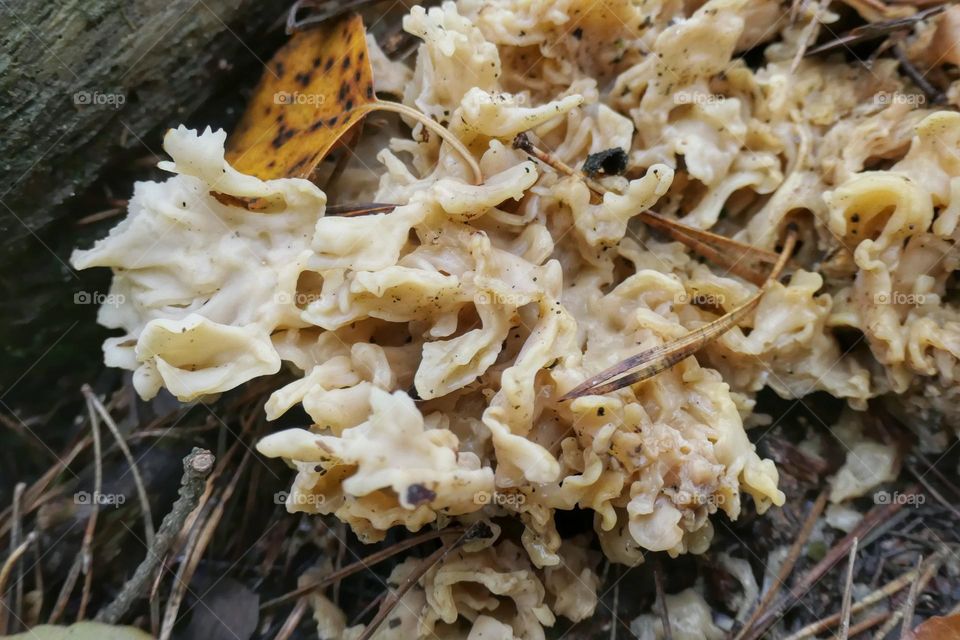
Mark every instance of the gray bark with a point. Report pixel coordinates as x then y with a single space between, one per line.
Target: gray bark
82 83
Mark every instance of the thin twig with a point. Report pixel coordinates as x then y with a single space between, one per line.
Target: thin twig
196 467
848 592
189 567
788 564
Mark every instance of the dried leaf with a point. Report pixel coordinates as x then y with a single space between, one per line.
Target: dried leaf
307 100
938 628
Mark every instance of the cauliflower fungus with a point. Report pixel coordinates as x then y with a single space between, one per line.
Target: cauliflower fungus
432 344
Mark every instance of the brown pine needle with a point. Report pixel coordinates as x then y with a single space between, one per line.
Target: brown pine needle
360 565
5 572
653 361
361 209
788 564
874 31
724 251
887 590
837 552
393 598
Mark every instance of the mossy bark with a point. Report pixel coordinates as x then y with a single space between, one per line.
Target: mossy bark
84 83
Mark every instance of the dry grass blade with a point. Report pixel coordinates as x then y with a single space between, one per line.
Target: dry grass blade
788 564
653 361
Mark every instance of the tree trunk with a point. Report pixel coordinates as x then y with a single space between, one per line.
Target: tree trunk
84 82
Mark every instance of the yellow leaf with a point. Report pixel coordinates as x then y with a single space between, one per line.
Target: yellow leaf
306 101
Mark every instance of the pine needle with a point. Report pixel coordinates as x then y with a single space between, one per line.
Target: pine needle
653 361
